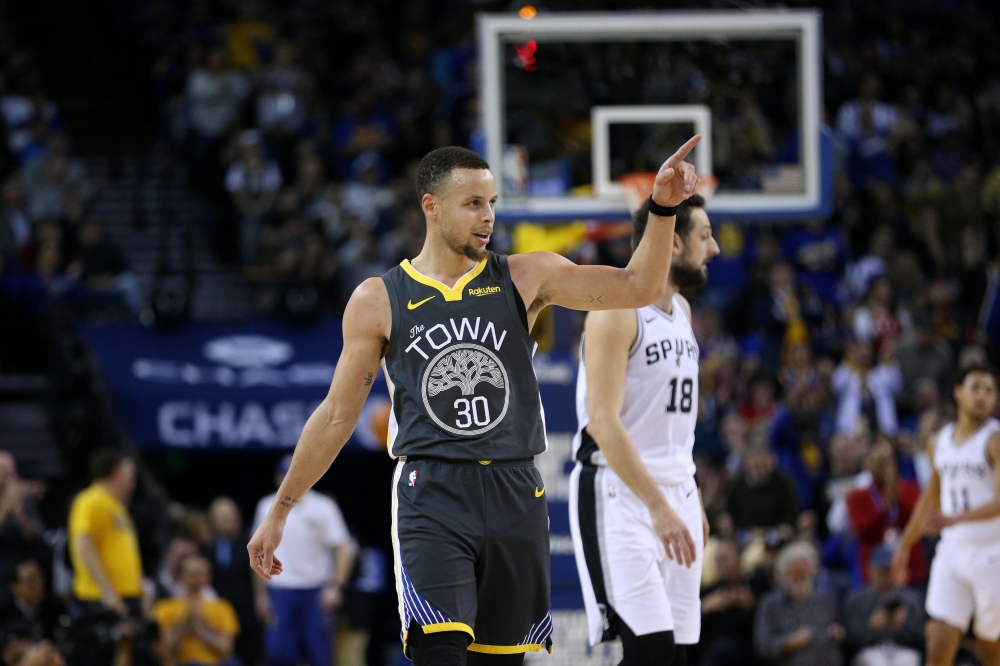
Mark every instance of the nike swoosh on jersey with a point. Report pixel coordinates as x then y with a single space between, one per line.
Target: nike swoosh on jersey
539 493
413 306
650 319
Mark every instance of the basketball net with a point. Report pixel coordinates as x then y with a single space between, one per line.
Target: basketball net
638 187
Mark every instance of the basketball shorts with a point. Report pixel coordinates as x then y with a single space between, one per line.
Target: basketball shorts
624 569
471 545
964 586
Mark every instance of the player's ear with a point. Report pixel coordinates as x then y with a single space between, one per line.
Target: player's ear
428 204
678 245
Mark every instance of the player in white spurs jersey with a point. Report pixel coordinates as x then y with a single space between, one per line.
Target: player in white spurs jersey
962 502
635 512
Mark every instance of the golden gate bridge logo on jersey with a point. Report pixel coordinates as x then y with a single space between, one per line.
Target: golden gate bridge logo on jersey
466 390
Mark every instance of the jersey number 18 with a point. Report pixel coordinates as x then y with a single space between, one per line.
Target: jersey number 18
687 395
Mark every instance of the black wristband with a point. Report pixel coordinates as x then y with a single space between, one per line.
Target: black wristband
662 211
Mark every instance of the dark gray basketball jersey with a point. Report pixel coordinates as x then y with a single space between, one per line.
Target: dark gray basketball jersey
459 367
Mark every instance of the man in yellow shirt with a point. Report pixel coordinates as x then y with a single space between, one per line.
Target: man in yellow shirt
107 569
198 629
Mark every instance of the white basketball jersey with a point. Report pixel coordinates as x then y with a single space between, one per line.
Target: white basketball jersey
660 408
966 482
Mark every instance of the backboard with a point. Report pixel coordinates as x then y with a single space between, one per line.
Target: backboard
565 97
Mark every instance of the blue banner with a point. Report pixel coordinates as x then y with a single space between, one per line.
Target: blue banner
252 385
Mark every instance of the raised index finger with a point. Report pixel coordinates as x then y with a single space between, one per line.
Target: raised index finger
683 151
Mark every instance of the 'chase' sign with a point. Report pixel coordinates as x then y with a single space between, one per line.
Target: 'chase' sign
237 386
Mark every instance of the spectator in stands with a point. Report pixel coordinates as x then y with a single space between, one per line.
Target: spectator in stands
761 495
364 195
364 127
47 194
845 456
253 183
761 401
922 355
884 117
777 316
819 255
233 579
249 36
733 433
796 624
57 148
878 320
285 90
866 391
727 609
317 554
169 577
215 93
18 648
882 507
102 269
15 227
197 628
29 604
884 622
21 525
107 568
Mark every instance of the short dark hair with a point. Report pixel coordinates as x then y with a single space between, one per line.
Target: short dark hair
682 225
14 574
438 164
104 462
973 368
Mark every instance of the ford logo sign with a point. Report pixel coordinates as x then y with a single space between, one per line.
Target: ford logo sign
248 351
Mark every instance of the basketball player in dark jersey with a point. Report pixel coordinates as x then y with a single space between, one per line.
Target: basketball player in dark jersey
451 332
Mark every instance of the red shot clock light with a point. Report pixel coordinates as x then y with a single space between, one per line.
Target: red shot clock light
526 54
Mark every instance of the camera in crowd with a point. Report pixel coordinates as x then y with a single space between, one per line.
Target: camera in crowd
103 626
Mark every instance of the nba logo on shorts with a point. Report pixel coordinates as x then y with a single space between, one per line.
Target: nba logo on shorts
413 478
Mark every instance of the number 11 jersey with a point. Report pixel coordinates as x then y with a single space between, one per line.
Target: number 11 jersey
966 474
660 408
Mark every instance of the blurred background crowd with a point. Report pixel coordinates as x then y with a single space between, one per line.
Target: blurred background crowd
828 346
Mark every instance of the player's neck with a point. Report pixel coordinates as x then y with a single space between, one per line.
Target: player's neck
666 302
966 425
437 260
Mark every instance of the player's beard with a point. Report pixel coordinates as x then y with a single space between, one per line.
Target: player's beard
464 248
685 275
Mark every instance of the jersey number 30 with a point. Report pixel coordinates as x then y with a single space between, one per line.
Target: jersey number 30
687 395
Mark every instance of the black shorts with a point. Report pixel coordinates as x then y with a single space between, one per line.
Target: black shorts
471 545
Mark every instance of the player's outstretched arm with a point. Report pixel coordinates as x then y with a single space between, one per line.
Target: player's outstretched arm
608 337
545 278
367 323
928 504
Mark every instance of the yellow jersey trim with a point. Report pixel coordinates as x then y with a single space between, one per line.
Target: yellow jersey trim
437 628
448 626
508 649
449 293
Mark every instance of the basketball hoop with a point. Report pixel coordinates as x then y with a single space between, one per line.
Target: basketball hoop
638 186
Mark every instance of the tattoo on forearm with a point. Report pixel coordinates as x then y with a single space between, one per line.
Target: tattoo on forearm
368 379
289 501
597 299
